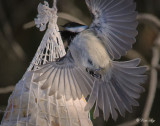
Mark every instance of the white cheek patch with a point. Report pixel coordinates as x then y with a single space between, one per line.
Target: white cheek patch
77 29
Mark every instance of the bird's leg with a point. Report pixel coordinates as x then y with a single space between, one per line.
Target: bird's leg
94 73
97 74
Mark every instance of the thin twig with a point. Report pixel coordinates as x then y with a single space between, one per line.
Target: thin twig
132 54
29 25
70 18
6 90
61 15
153 85
150 20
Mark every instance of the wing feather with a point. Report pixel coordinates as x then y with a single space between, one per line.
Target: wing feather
105 104
80 81
61 81
55 85
79 92
72 85
68 92
92 98
65 78
114 22
44 75
117 103
118 89
49 80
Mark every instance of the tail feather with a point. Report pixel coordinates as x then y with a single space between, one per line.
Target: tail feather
125 64
118 89
93 97
117 100
132 70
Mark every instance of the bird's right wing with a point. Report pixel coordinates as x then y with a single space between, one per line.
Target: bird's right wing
65 78
118 90
114 22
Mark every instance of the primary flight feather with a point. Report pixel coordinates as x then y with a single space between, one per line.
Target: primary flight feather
89 67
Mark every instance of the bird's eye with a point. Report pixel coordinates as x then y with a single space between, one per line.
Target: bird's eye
90 62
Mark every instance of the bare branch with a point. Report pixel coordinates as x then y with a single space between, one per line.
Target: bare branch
131 54
29 25
153 85
70 18
6 90
61 15
149 19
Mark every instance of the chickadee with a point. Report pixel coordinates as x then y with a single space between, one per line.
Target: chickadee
114 85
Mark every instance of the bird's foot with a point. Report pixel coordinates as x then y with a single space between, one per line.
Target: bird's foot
94 73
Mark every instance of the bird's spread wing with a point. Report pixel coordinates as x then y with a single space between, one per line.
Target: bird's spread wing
119 91
65 78
114 22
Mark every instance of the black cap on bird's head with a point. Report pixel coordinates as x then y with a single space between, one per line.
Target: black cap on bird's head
71 29
74 27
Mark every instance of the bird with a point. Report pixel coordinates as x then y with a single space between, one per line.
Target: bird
91 66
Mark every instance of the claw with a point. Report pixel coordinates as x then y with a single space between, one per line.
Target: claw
94 73
98 76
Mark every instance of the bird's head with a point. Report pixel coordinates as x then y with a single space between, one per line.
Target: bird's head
71 29
74 27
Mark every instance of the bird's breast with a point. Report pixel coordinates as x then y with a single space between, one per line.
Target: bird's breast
89 46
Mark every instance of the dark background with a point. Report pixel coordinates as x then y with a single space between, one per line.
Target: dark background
18 46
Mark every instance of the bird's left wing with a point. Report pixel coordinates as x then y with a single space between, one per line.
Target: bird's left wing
114 22
64 77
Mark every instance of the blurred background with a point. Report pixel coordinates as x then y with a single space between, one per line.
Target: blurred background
18 44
